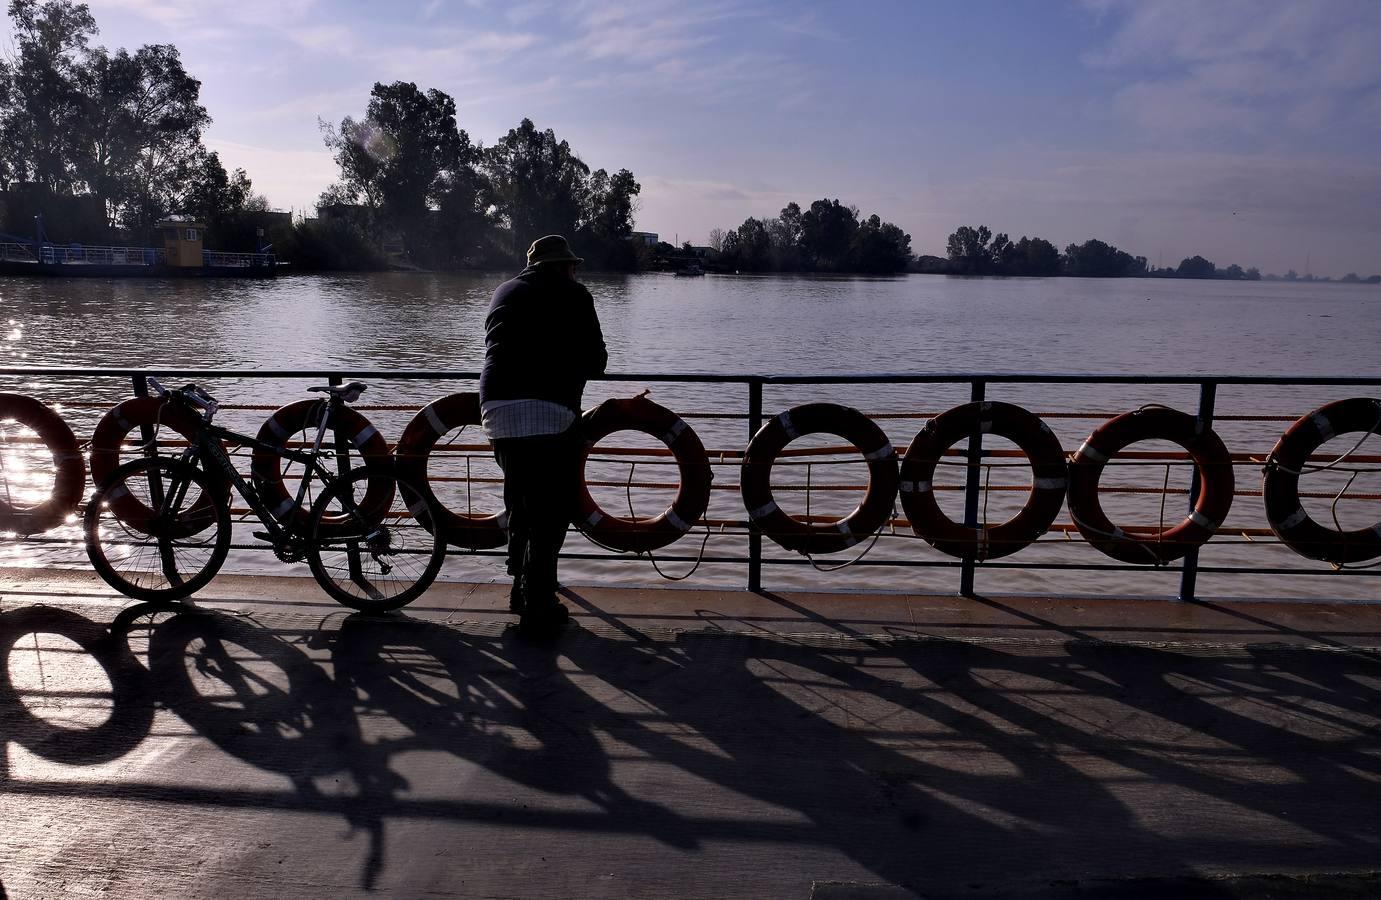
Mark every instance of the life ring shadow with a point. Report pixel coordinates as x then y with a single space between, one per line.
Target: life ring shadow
132 703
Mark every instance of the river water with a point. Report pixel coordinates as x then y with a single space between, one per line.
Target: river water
764 325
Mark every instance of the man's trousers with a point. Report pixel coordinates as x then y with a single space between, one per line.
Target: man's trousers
540 489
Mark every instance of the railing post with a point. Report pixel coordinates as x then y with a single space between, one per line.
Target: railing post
973 480
1189 570
754 536
149 435
342 440
352 553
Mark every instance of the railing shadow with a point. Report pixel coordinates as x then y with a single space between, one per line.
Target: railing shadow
940 765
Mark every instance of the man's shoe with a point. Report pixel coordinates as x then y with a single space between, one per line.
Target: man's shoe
547 617
516 603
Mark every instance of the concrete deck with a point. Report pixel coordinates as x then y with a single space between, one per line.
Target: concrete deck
683 744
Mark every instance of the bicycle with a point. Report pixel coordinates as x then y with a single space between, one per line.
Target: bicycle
158 528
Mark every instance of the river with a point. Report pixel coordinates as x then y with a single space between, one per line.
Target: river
765 325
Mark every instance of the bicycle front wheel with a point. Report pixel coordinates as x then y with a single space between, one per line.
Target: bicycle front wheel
367 560
176 547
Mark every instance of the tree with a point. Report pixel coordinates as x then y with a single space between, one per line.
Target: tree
1096 259
43 97
752 245
137 144
1195 267
122 127
879 247
1036 256
717 240
608 219
968 249
537 184
827 231
1002 252
406 158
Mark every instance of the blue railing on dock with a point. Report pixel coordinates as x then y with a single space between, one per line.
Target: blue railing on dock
753 385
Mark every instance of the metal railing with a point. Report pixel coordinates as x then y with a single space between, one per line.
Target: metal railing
220 260
11 252
69 255
753 385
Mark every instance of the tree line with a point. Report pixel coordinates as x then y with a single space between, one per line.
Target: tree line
975 250
410 174
825 237
122 129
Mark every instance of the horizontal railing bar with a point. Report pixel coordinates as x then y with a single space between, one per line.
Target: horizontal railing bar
718 378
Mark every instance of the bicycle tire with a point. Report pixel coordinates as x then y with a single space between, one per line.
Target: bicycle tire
376 542
205 556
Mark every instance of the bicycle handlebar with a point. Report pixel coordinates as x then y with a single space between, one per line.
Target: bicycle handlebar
191 394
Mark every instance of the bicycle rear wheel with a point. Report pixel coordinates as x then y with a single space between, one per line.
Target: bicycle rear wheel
175 550
369 560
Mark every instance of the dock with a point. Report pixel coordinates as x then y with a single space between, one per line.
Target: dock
684 743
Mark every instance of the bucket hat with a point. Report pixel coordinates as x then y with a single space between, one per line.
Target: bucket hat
552 248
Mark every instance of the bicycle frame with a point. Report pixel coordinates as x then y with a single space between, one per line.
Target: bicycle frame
208 443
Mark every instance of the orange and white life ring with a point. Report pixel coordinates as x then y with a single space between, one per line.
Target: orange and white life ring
69 470
819 418
1216 485
692 497
1290 458
108 443
1022 428
266 467
475 532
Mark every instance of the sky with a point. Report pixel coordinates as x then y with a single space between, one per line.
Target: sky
1243 130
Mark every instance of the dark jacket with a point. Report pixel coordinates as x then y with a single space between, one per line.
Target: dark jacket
541 340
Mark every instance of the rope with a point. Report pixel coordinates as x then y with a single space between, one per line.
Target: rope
628 492
1165 489
859 558
1271 461
699 558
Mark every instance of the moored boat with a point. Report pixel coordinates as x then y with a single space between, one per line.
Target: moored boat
181 256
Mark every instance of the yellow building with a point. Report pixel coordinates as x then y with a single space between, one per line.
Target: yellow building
182 243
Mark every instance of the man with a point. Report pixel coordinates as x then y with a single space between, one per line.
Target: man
542 341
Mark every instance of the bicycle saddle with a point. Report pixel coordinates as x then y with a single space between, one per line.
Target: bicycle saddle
347 392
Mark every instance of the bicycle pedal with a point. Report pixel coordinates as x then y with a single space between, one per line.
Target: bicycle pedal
263 536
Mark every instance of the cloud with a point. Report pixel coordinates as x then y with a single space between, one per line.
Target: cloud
808 25
1240 66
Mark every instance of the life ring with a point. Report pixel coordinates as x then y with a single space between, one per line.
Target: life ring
266 467
107 443
819 418
70 472
1216 485
412 453
1043 504
692 497
1280 483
